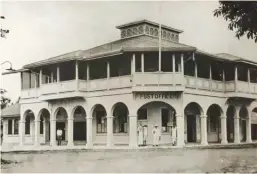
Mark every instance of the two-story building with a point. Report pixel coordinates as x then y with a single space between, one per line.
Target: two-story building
100 95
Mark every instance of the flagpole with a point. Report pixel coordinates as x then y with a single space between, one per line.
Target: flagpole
160 38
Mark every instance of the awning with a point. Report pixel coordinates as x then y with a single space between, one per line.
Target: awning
15 71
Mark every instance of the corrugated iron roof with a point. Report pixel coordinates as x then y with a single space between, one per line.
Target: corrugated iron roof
11 111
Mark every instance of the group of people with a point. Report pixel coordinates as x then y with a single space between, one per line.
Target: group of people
143 133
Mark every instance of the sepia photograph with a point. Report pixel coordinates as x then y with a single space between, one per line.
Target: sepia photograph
128 86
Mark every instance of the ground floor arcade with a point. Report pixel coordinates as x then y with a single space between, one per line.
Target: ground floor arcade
118 126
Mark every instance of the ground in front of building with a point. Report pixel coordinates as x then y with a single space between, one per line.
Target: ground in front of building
129 161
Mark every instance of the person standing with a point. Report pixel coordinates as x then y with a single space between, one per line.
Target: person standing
145 134
174 134
59 136
156 135
140 134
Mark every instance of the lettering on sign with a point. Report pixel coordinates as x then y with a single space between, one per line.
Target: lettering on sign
156 96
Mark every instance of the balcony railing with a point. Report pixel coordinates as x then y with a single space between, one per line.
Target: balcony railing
141 79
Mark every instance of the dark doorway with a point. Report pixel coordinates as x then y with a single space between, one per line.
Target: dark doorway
191 128
61 125
79 131
243 130
230 128
254 131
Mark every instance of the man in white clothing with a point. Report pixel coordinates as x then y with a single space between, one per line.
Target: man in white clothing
59 136
140 134
174 134
156 135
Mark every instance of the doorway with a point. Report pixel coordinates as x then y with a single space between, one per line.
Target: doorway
191 128
79 131
243 127
61 125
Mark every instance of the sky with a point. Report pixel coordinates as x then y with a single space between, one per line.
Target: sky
40 30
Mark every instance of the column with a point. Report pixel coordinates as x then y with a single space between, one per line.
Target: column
182 63
108 70
248 130
236 78
223 121
77 70
109 131
36 80
180 130
58 74
204 130
236 126
173 63
133 64
44 129
133 131
88 75
37 133
40 77
89 132
53 132
52 77
70 132
22 132
142 62
160 62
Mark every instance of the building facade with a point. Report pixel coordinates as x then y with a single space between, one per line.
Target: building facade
100 95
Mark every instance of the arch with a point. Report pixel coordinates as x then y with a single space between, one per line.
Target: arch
61 116
120 113
29 118
192 113
79 123
166 112
214 112
243 112
44 116
99 116
253 118
230 123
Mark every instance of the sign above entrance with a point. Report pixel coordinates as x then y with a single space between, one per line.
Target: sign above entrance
156 96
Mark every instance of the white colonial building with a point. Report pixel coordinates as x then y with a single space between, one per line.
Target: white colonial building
98 96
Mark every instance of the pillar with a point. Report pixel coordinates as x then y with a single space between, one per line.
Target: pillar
58 73
182 63
88 72
236 78
40 77
236 126
89 132
109 131
142 62
204 130
77 70
108 70
37 133
53 132
180 130
70 132
52 77
248 130
133 131
173 63
44 130
133 64
223 121
22 132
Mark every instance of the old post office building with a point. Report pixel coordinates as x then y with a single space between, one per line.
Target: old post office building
100 95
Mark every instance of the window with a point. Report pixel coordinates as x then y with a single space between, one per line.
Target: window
101 122
120 124
9 127
27 126
16 126
41 125
142 114
138 63
168 118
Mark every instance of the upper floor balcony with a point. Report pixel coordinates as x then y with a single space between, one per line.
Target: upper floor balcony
140 72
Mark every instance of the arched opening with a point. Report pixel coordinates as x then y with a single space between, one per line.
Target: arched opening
192 113
79 124
243 114
120 120
45 124
99 116
62 123
254 123
157 113
230 123
30 125
214 113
